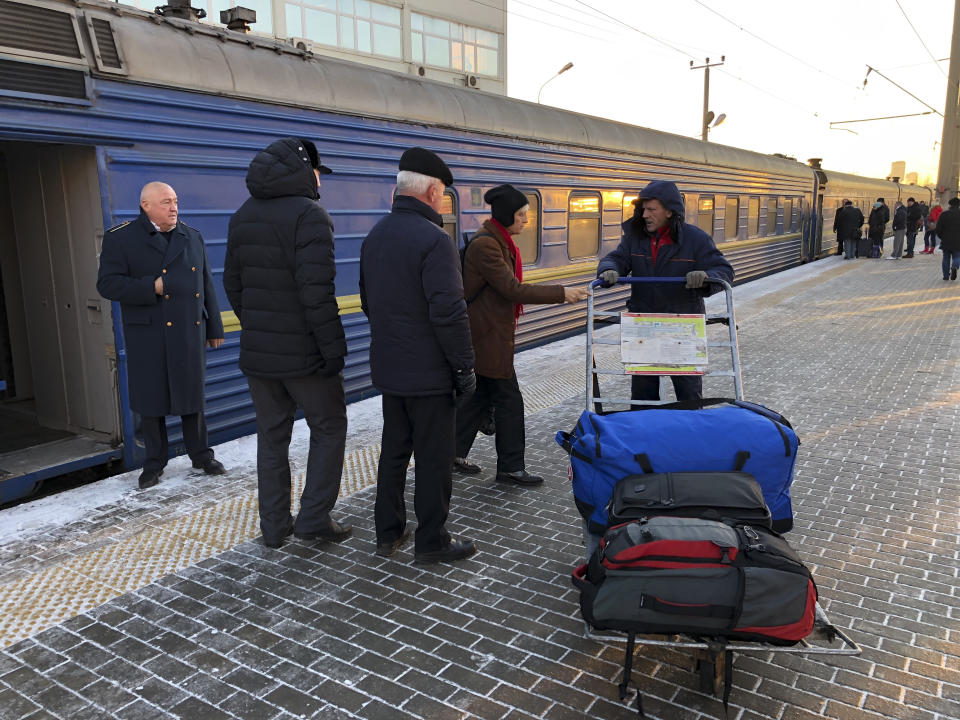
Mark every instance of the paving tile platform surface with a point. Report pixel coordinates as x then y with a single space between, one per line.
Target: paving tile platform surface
165 604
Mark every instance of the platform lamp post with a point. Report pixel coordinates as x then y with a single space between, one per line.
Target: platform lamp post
707 115
560 72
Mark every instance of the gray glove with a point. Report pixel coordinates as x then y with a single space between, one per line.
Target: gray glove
695 279
609 278
464 385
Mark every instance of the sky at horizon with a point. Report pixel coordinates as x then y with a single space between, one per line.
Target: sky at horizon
790 70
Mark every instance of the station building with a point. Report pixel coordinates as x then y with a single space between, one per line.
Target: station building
463 42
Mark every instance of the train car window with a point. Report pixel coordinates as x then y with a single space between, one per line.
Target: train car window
628 206
528 242
583 225
451 45
448 211
731 219
705 215
753 217
788 215
771 216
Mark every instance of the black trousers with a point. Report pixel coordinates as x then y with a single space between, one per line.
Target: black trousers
425 427
324 407
157 450
507 402
689 388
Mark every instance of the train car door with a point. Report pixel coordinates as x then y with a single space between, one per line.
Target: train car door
59 411
818 229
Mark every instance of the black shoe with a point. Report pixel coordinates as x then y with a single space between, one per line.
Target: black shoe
953 273
520 477
211 467
334 532
149 478
908 256
462 465
456 550
276 541
386 549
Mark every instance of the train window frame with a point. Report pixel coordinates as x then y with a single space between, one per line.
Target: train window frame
584 215
632 197
534 214
753 217
787 202
701 213
452 217
727 202
772 207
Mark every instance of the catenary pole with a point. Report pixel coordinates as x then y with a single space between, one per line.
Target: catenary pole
948 176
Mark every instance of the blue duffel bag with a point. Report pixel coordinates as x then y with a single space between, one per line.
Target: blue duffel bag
736 435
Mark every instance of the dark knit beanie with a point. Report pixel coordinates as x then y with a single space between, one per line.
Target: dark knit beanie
953 202
422 161
312 157
504 201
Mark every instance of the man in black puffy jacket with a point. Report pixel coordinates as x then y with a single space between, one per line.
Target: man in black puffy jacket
278 275
421 356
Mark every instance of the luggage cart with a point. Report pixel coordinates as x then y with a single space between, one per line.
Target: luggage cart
713 660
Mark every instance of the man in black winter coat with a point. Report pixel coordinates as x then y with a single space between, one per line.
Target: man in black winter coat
278 275
848 225
914 219
877 223
421 356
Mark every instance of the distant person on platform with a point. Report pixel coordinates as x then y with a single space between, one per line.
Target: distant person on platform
877 223
495 293
279 277
930 236
421 358
899 230
914 220
156 267
658 243
948 230
848 225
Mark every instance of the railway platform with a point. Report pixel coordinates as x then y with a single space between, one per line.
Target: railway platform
116 603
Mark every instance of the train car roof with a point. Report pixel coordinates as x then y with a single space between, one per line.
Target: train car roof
206 58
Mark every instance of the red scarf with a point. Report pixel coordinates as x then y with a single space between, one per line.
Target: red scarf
517 263
659 240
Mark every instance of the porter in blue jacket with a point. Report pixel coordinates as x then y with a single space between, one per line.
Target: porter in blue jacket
658 243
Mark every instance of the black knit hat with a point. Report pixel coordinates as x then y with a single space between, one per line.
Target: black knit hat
953 202
504 201
312 157
420 160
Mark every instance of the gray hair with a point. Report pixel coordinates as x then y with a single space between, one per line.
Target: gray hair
414 182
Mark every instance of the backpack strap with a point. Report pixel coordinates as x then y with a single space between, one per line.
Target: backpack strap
627 672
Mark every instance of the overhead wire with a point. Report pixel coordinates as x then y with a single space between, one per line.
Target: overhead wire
800 60
576 31
910 23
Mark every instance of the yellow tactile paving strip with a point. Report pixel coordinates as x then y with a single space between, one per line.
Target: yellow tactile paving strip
34 603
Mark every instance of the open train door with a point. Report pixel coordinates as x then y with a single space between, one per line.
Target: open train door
59 411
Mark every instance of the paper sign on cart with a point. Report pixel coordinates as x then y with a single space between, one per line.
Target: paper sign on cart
663 343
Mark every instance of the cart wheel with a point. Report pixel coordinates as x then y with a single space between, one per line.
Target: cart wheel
706 669
710 667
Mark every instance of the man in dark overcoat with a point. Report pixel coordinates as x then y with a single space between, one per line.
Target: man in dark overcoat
156 267
848 224
948 230
421 358
279 277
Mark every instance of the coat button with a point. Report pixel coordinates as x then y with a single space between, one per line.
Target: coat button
198 322
166 297
164 271
197 295
193 269
169 324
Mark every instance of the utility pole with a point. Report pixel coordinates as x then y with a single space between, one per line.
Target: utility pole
707 115
948 177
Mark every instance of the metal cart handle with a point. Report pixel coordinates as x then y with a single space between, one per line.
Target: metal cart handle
630 280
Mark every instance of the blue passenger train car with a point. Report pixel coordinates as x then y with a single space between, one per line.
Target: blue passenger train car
97 99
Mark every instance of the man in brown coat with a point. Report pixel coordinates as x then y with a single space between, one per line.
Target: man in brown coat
494 289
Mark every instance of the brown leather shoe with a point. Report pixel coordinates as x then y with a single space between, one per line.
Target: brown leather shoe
386 549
